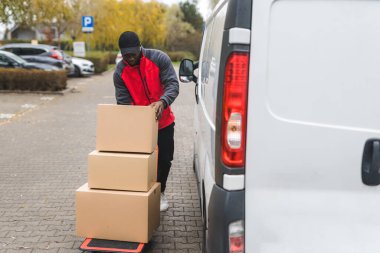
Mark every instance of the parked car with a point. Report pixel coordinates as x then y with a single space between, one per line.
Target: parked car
10 60
41 53
119 57
83 67
69 63
287 126
43 59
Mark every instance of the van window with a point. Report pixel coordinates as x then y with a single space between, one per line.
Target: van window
204 53
211 62
214 55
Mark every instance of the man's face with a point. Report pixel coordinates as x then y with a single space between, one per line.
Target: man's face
132 58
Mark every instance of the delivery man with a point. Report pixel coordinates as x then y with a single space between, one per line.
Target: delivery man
147 77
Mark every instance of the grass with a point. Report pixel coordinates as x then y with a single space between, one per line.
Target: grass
111 66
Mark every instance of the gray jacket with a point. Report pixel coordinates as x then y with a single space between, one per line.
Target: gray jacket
167 74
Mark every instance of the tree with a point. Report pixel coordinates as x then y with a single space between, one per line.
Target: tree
191 14
57 13
159 26
64 17
178 30
112 17
152 25
13 11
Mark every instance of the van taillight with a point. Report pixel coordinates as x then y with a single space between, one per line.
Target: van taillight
234 114
236 236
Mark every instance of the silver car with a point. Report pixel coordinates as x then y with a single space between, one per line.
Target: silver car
83 67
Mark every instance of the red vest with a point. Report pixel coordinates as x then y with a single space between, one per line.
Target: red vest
145 87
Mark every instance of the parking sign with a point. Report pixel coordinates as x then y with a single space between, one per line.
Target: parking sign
87 24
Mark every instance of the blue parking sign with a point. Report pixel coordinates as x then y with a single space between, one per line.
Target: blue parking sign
87 24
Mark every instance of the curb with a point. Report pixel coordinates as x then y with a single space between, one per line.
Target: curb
61 92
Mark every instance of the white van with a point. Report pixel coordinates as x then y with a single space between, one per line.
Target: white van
287 126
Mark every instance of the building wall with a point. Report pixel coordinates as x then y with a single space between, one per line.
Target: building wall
24 34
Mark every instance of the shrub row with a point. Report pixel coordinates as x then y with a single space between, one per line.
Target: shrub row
180 55
174 56
112 57
99 58
67 45
32 80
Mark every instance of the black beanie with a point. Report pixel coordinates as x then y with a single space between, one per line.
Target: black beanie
129 42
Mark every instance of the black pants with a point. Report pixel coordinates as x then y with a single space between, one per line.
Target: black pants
165 154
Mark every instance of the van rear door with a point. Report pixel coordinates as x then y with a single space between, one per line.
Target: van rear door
314 102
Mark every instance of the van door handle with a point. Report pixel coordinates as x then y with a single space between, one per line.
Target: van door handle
371 163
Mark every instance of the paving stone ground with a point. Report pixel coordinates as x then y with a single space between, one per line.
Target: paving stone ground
43 160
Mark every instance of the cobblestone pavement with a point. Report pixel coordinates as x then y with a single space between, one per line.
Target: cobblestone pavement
13 105
43 160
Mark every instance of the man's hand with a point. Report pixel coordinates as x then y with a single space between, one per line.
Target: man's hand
158 108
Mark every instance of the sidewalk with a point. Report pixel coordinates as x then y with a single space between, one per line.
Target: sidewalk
43 160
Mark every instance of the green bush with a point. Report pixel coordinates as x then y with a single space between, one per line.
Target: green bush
32 80
99 58
100 63
112 57
180 55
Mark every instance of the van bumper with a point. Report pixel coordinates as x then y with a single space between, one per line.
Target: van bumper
224 207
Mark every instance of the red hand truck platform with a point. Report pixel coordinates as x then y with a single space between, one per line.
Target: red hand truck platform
99 245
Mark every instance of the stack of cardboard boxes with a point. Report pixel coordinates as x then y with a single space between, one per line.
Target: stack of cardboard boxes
122 199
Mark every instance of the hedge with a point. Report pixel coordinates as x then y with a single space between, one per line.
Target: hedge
180 55
99 58
112 57
174 56
32 80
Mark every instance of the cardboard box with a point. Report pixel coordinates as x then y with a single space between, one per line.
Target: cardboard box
125 128
122 171
117 215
